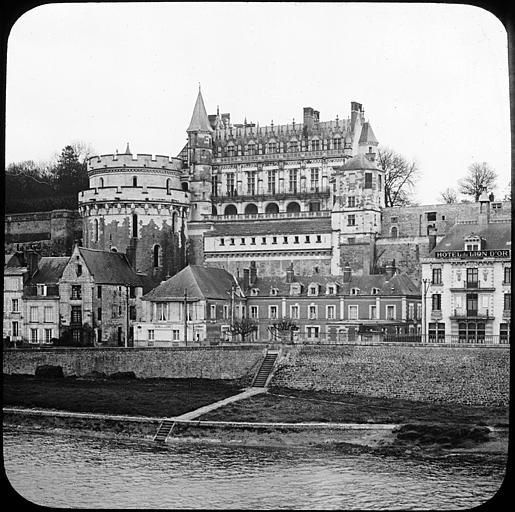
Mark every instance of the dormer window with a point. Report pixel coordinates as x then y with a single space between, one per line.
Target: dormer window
375 291
313 289
295 289
355 291
274 291
331 289
254 291
473 243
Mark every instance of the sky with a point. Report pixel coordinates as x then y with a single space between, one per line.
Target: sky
432 78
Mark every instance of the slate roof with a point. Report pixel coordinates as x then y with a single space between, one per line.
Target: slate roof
496 236
272 227
367 134
398 285
359 162
199 120
50 270
199 283
13 261
110 267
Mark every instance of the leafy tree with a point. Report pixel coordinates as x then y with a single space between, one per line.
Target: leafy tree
400 177
449 196
479 177
243 327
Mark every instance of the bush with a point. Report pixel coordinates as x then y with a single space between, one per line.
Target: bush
123 375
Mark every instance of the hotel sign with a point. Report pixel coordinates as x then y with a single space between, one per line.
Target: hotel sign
465 255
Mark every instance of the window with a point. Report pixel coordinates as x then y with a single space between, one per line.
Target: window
293 180
471 304
419 311
337 143
294 311
76 292
285 239
368 180
99 292
251 182
379 182
331 290
15 329
507 302
77 335
263 240
319 239
226 312
48 314
294 145
315 145
156 256
134 226
78 270
76 317
242 241
230 184
307 239
353 312
132 312
411 311
274 291
271 181
436 331
472 277
212 312
314 175
471 331
272 312
436 302
150 335
175 334
15 305
134 181
99 314
95 230
351 220
222 241
33 313
313 290
274 239
504 332
295 239
331 312
272 147
48 335
33 335
314 206
431 216
373 312
161 311
375 291
355 291
119 310
390 312
312 312
507 275
351 201
437 276
254 312
313 332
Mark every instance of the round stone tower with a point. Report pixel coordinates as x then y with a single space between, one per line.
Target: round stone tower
135 204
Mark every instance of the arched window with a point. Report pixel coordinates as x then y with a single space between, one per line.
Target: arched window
272 208
114 249
134 226
251 209
394 232
230 209
95 230
214 210
293 207
101 183
168 186
184 186
156 256
134 181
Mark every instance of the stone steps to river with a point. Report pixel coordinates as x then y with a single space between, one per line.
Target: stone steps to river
264 371
164 430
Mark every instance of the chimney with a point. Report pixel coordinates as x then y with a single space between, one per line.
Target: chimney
253 273
389 270
484 209
246 278
31 261
308 120
347 273
290 274
355 110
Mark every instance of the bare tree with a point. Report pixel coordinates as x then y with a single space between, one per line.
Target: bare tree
82 149
479 177
243 327
449 196
399 179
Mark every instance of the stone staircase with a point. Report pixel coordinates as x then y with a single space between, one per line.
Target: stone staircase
264 371
164 430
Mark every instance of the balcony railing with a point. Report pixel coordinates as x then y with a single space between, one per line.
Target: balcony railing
478 339
281 215
34 291
481 313
271 196
472 286
328 153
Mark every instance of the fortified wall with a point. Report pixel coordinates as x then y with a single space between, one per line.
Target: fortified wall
464 375
470 375
52 233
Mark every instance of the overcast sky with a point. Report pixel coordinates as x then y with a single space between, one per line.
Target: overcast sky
433 79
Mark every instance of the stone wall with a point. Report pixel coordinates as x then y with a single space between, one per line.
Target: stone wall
179 363
465 375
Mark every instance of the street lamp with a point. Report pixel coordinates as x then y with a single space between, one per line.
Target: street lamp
425 287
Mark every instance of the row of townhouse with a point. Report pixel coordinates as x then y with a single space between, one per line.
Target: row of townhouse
201 304
90 298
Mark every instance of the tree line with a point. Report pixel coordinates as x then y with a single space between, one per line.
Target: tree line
43 186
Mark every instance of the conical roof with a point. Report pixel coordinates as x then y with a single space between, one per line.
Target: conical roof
367 134
199 120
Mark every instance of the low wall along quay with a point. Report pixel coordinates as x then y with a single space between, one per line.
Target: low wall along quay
465 375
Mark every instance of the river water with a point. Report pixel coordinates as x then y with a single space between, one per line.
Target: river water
69 471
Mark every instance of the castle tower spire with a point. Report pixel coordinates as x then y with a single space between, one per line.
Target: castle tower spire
199 120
